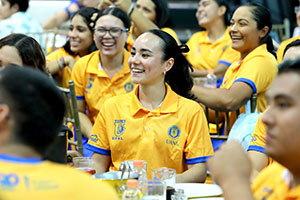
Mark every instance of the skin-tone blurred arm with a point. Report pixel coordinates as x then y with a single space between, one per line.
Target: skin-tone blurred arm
196 173
59 18
140 21
219 71
231 168
259 161
223 99
55 65
85 123
102 162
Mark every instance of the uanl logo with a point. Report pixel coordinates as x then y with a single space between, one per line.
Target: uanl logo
173 134
94 138
128 87
89 85
119 129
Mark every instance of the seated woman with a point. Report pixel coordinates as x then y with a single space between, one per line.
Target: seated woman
254 73
211 50
103 73
159 122
22 50
80 43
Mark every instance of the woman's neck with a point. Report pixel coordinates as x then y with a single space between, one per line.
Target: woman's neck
111 65
151 96
216 30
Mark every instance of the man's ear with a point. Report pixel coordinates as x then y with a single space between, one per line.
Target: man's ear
4 113
15 8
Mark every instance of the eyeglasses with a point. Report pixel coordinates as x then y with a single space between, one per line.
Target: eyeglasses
113 32
297 9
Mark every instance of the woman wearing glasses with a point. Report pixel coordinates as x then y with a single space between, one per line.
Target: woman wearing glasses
80 43
103 73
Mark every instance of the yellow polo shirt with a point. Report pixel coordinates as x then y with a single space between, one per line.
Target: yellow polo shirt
33 179
172 135
258 137
283 46
63 75
130 40
205 54
258 69
273 183
94 86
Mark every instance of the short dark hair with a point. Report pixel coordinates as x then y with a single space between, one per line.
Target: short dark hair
295 43
23 4
289 66
178 77
29 50
36 106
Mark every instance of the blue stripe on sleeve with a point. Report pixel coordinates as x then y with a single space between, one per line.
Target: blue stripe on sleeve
248 81
197 160
98 150
80 97
224 62
15 159
256 148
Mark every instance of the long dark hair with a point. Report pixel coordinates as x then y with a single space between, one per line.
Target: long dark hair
262 17
87 14
227 13
178 77
29 50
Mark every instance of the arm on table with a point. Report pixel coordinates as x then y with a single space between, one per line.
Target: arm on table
85 123
223 99
231 168
259 161
196 173
102 162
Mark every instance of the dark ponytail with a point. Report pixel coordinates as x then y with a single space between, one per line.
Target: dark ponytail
178 77
262 17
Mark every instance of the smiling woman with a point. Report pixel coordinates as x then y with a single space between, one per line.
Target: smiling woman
80 43
254 73
159 118
103 73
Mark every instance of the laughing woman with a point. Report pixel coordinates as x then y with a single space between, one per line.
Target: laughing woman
61 61
158 122
254 73
103 73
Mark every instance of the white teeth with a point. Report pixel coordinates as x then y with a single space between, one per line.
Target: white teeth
137 71
108 44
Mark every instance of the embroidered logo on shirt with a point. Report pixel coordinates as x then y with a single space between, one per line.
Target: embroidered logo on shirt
128 87
89 85
119 129
254 138
94 138
173 133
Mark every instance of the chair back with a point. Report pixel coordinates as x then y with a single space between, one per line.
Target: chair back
282 30
228 124
71 114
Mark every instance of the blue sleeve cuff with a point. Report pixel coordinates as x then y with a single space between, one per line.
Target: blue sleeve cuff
256 148
197 160
224 62
98 150
248 81
80 97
